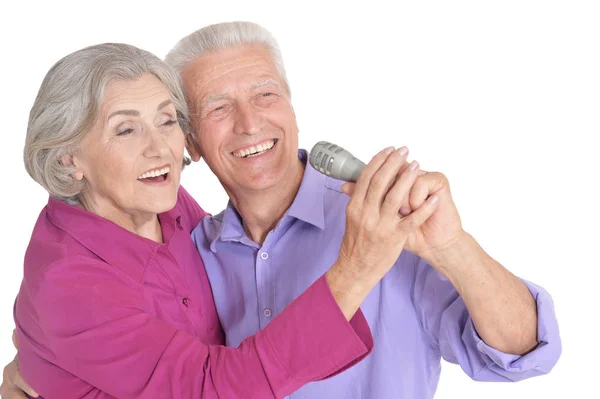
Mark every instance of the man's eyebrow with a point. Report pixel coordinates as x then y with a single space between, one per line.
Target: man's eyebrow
214 98
264 82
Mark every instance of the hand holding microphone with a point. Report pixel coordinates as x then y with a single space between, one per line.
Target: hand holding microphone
431 235
336 162
375 233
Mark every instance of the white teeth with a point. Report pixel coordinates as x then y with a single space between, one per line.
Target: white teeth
255 150
155 172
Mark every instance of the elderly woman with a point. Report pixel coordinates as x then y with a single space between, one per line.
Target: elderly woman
115 301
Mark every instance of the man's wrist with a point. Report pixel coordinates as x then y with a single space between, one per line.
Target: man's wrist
457 258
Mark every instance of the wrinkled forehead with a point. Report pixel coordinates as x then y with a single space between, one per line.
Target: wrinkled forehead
230 70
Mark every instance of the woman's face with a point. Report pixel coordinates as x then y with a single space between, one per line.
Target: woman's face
132 157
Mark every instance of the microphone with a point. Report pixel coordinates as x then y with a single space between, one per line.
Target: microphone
334 161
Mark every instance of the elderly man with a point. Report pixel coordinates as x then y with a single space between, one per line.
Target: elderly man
283 227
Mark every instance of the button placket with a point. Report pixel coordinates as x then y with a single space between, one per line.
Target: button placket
265 289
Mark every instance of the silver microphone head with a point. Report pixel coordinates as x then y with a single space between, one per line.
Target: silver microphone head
332 160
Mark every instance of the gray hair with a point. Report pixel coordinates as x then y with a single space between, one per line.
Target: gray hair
68 103
221 36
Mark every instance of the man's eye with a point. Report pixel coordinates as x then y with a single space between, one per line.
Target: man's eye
219 108
170 123
266 94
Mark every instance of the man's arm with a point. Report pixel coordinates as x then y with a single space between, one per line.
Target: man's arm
472 295
447 320
501 306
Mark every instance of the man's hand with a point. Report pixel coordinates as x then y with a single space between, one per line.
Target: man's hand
442 228
502 308
375 231
13 385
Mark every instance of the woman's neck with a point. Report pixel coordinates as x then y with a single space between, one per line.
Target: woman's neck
144 224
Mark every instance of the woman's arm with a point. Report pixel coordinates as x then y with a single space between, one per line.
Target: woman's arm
96 327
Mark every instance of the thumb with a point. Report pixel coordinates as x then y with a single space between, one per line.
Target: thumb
348 188
14 339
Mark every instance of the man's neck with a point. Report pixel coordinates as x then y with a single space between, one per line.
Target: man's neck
262 210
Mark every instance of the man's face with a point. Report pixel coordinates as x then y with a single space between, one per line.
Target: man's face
243 121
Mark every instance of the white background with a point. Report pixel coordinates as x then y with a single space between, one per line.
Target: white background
503 97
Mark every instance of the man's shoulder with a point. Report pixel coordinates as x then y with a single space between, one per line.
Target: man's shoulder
208 228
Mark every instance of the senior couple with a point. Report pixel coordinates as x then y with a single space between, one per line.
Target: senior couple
303 287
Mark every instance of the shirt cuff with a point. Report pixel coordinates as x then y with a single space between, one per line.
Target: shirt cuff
312 339
543 358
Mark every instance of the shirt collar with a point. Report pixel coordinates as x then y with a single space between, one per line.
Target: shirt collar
308 204
307 207
109 241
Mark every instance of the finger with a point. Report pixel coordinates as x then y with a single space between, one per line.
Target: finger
14 339
424 187
385 177
405 208
399 191
362 184
348 188
419 192
410 223
24 386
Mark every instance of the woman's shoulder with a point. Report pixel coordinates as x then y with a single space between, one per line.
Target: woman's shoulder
54 249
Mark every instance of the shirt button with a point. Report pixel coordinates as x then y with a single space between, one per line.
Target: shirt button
264 256
267 312
186 301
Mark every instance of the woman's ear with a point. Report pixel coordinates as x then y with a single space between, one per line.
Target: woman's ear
69 160
192 147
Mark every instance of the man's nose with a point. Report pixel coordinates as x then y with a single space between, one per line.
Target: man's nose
248 120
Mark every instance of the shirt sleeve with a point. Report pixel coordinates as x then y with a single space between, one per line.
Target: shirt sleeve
98 327
445 318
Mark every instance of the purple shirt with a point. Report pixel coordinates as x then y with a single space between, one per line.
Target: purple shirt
415 314
106 313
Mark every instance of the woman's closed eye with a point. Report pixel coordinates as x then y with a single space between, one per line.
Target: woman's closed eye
124 132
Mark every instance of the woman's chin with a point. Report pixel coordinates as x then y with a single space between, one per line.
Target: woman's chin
161 205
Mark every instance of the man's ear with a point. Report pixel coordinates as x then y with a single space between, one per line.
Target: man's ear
192 147
69 160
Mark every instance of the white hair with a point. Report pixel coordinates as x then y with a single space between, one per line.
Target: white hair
68 103
221 36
